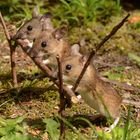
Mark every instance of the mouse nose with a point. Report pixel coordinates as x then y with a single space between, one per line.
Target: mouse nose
31 53
18 36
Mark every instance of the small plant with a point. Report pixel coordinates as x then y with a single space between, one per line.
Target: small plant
15 10
52 127
80 12
14 129
130 131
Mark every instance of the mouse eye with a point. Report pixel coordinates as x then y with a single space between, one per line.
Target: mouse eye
68 67
29 28
43 44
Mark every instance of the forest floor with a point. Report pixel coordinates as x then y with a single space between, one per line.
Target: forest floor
37 98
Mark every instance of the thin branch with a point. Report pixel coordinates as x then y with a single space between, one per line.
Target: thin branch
113 31
130 102
124 86
13 64
62 98
5 29
12 51
60 77
68 92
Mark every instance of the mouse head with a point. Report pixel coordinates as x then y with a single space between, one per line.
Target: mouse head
72 65
32 28
48 43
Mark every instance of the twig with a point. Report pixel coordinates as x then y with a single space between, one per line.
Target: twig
12 52
13 64
60 78
5 28
113 31
124 86
130 102
69 93
62 99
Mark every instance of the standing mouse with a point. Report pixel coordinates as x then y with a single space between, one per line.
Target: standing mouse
95 92
50 44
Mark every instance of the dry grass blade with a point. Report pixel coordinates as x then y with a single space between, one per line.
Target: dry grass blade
113 31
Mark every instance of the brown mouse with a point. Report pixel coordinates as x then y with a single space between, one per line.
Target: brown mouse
50 44
32 28
95 92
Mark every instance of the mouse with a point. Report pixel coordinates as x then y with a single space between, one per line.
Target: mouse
96 93
49 44
31 29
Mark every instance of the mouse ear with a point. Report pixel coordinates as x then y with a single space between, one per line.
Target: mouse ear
75 49
35 12
46 22
59 33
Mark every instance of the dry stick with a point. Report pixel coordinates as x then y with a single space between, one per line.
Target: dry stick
60 77
62 98
113 31
124 86
69 93
12 52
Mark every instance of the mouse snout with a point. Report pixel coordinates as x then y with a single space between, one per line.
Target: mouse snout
31 53
19 36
